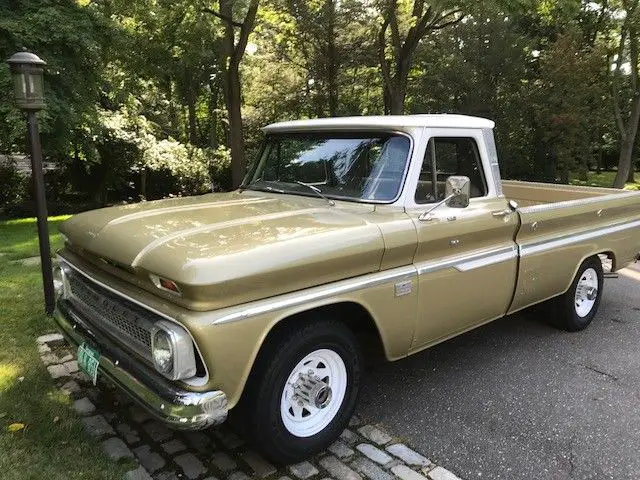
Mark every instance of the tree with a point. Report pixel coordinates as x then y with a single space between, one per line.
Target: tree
233 51
76 42
627 112
396 54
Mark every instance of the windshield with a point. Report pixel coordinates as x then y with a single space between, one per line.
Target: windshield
350 166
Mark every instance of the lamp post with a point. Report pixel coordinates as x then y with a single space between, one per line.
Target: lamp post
28 87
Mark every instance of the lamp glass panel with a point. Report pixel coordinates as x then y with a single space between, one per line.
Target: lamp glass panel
20 86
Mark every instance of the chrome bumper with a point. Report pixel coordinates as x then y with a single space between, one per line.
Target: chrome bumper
178 408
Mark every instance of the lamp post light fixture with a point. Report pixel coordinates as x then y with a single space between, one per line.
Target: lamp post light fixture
28 87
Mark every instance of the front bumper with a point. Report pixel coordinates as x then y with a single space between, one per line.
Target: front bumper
178 408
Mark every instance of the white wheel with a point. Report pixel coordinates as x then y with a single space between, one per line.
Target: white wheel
313 393
586 292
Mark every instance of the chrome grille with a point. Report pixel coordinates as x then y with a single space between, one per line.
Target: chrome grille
112 314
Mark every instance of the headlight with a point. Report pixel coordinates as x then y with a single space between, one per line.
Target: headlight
162 352
172 351
59 280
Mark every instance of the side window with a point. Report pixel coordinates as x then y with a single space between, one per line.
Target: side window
447 156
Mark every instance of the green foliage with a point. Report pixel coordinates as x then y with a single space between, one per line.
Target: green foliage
14 189
136 90
74 41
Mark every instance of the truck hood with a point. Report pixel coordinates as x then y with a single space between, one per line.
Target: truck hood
226 249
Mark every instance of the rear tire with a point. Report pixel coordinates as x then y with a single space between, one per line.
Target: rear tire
575 310
303 391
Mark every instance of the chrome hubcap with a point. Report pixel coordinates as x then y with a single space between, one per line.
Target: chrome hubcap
586 292
311 390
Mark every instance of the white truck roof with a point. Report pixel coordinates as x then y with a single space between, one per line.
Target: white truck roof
383 121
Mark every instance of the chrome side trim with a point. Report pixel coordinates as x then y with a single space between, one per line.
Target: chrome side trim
499 256
195 381
461 263
545 245
315 293
547 207
470 262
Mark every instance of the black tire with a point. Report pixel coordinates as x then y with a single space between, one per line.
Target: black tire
262 419
564 312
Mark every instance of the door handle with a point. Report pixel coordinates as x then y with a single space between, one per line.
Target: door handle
501 213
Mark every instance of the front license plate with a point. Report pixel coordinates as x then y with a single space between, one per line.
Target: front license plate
88 361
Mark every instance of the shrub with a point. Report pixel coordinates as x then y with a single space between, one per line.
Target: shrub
14 188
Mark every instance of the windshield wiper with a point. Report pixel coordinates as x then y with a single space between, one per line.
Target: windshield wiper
317 191
267 188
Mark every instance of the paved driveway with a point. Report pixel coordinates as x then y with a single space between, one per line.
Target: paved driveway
518 399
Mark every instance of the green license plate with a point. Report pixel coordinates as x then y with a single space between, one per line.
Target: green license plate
88 361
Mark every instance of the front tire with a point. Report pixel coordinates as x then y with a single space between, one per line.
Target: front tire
575 310
303 391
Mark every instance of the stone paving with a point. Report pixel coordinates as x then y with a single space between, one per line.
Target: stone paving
128 434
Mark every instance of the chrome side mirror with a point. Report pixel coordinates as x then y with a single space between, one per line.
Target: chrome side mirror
457 192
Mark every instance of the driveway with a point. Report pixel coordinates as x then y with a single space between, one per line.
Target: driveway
517 399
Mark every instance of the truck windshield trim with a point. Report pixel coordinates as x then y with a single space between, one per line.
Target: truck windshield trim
357 166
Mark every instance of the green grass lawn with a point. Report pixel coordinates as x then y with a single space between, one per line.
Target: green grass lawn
605 179
53 445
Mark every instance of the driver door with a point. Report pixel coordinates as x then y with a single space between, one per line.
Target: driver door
466 257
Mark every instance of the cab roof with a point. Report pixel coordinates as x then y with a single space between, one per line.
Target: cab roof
382 122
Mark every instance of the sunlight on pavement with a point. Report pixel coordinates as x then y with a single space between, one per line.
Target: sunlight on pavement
633 274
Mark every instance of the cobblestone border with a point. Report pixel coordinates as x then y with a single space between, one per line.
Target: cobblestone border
129 434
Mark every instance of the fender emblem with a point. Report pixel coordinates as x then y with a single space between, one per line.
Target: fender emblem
403 288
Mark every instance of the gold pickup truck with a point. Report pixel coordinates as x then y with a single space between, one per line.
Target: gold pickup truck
350 238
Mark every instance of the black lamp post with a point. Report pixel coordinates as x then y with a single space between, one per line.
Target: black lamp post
28 87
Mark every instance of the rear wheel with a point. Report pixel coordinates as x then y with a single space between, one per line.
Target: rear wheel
575 310
303 391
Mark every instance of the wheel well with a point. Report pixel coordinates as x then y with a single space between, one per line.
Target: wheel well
352 314
610 256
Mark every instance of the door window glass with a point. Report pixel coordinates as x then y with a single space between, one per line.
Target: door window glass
445 157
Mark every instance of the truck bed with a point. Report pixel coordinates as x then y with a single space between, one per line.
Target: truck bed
561 226
533 193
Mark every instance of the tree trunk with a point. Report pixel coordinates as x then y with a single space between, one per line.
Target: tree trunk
236 140
396 101
173 115
332 61
625 160
213 115
193 127
233 53
143 183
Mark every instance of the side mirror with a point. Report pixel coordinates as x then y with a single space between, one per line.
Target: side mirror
457 192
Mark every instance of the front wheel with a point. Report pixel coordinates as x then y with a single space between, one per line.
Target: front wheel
575 310
303 391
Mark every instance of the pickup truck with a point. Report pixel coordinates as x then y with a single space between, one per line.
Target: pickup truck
350 239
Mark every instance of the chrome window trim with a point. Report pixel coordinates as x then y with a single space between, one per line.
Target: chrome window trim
544 245
401 187
411 185
194 381
492 156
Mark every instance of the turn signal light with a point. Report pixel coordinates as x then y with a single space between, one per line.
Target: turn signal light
165 284
169 285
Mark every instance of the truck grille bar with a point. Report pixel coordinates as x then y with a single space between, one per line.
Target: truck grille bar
114 315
